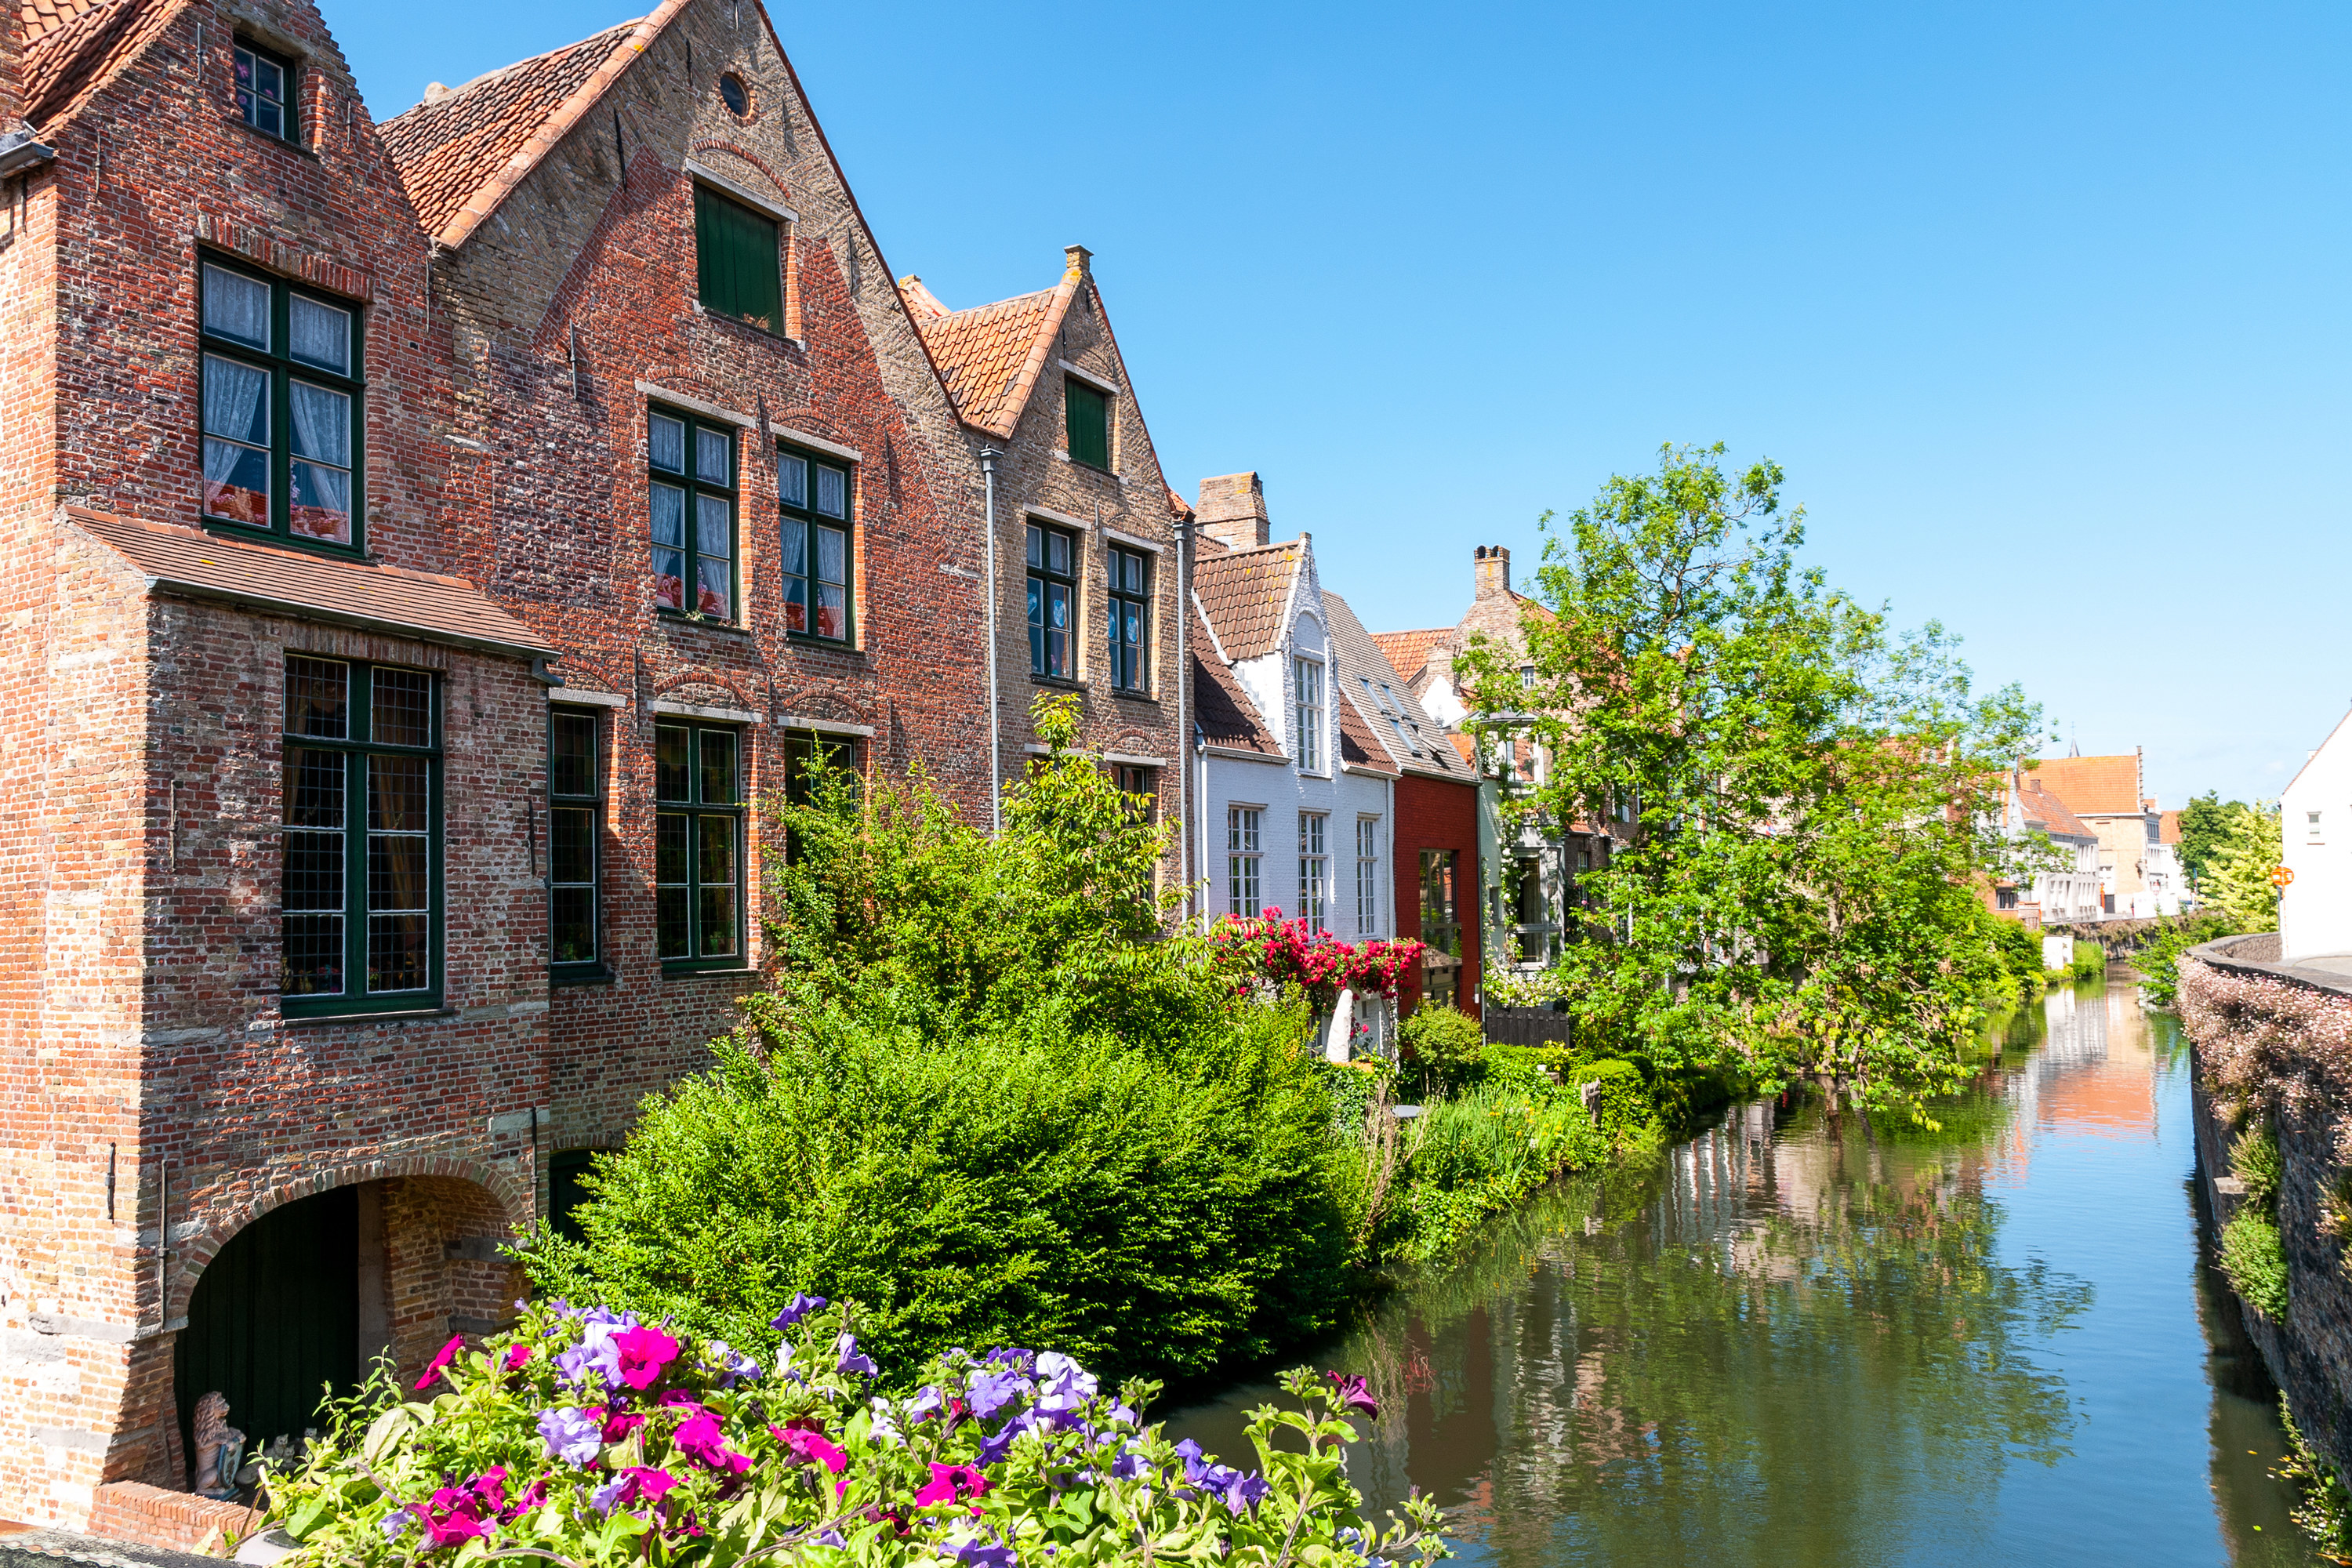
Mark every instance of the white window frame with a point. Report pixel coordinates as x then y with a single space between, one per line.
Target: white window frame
1244 857
1367 876
1310 718
1314 869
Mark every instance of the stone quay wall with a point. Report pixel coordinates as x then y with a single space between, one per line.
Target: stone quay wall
2272 1043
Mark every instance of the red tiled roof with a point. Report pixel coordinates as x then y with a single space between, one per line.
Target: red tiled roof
992 356
460 155
190 563
2168 827
1403 728
1360 747
2047 812
71 46
1244 593
2093 786
1408 652
1222 709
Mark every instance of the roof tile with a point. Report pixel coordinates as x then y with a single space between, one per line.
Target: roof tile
1408 652
448 149
2093 786
1405 732
1244 593
191 563
1222 709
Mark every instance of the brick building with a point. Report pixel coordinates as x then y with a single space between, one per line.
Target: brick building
424 546
1088 538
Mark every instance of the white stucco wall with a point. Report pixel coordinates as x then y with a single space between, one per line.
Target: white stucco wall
2315 908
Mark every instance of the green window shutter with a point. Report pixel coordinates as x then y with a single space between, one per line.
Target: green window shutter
736 269
1089 414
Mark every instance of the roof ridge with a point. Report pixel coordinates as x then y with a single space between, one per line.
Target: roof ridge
495 72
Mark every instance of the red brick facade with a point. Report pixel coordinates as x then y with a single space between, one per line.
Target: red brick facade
1438 815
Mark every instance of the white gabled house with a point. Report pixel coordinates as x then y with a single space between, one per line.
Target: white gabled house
2316 833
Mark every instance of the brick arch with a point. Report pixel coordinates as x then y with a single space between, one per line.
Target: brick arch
517 1204
732 151
708 682
825 701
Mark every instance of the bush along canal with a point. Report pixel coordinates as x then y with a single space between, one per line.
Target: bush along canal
1794 1341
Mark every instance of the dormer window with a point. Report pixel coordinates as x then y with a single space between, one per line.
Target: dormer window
265 91
1308 689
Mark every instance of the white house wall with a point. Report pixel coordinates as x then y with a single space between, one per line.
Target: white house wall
2315 908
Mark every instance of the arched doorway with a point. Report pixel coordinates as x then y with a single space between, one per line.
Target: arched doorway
273 1324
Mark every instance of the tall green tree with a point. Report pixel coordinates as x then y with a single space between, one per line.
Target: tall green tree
2204 823
2245 851
1808 790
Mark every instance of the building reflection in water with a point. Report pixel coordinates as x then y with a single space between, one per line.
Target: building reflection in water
1792 1342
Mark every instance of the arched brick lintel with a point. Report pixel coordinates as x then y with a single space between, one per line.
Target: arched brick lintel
516 1202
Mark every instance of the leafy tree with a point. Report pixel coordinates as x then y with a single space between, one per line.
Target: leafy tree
2245 851
2203 825
1808 792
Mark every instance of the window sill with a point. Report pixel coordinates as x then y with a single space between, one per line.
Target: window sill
823 644
1059 682
558 978
238 533
1135 696
702 623
749 325
381 1016
685 971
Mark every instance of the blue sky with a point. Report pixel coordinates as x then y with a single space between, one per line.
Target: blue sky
2043 308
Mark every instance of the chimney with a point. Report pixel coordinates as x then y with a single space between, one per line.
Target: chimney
1231 510
1493 571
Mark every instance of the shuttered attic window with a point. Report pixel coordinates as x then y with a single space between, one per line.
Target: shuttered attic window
1089 421
736 269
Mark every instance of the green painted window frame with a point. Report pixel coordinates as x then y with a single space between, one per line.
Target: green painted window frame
251 101
276 361
1086 421
1043 578
578 816
690 479
358 748
805 513
738 260
685 816
1441 923
1128 620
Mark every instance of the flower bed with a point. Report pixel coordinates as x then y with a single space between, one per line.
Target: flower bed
589 1438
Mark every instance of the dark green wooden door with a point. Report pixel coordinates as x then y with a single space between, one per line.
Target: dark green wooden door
274 1317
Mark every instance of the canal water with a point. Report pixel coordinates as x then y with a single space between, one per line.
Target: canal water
1791 1342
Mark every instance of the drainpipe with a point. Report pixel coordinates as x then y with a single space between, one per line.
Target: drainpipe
1201 752
1183 682
988 455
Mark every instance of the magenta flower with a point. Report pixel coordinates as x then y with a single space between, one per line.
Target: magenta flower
1355 1395
516 1355
808 1448
453 1518
644 1352
698 1438
949 1483
440 1362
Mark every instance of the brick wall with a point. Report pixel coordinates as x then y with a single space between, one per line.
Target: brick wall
1435 814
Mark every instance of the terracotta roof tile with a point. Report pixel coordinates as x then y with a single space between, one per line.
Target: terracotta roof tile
189 564
77 46
449 149
2168 827
39 18
1222 709
1245 592
1408 652
2047 812
1359 746
993 356
2092 786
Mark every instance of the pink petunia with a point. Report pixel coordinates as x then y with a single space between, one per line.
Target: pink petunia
516 1355
440 1363
950 1482
809 1447
644 1353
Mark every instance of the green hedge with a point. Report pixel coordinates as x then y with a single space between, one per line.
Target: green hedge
1627 1112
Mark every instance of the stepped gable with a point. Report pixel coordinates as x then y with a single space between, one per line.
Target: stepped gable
1245 594
461 153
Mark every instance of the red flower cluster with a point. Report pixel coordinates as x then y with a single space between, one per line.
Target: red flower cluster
1286 952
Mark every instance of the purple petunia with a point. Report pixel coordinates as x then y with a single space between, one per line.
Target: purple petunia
927 1402
993 1448
396 1524
989 1392
799 1307
1355 1395
1190 1453
1130 1465
572 1435
733 1365
848 1359
980 1551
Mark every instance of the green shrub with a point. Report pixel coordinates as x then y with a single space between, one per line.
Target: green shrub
2021 953
1482 1151
1023 1186
1353 1087
2090 960
2254 1159
2255 1258
1627 1112
1443 1040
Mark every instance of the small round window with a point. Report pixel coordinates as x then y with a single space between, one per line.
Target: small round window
737 97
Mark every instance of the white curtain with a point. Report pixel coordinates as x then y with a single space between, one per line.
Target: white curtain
829 490
322 430
714 529
713 453
232 408
236 307
666 439
321 335
829 562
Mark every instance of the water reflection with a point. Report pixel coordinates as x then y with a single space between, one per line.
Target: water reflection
1801 1341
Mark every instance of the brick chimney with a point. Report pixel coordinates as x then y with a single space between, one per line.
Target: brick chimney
1231 510
1493 571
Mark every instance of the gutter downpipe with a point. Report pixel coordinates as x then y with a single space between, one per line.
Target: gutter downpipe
1201 751
1183 691
988 455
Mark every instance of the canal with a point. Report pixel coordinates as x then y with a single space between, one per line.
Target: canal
1791 1342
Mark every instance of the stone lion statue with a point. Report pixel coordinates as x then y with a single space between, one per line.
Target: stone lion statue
219 1446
